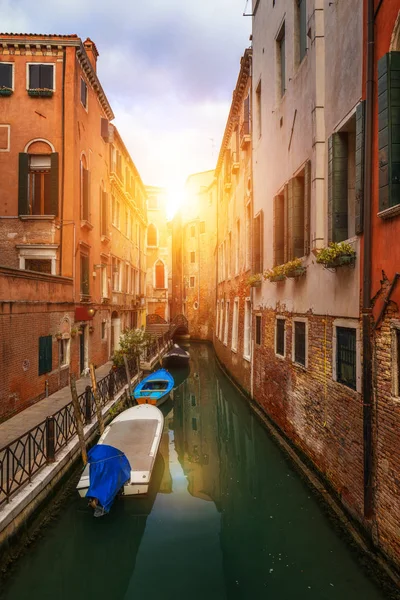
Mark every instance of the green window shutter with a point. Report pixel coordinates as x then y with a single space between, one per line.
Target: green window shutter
23 208
45 354
360 147
279 230
54 183
337 187
389 130
307 207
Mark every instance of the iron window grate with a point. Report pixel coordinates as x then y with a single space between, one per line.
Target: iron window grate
300 343
346 357
280 337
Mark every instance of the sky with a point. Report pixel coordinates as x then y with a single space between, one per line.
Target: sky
168 68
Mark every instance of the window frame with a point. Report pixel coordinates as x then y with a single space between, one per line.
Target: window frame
85 106
235 325
347 324
247 329
193 255
64 343
226 324
258 331
38 252
295 362
28 64
12 72
280 318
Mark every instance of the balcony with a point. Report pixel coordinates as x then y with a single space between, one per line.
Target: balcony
245 135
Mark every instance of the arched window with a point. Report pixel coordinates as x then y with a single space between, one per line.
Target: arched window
38 179
160 274
152 235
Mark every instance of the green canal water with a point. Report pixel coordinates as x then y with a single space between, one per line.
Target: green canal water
227 518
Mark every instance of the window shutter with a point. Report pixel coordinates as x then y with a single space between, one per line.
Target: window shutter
247 109
34 77
307 207
298 217
360 145
45 354
23 183
54 183
290 224
257 268
389 130
46 77
337 187
279 227
85 194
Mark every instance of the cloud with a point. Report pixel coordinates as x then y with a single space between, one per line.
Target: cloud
168 68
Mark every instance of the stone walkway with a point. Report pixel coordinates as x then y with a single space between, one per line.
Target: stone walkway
28 418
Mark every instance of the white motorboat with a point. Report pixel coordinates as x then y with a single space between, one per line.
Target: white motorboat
136 433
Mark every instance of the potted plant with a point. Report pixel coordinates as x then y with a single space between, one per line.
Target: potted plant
74 332
80 331
58 335
275 274
254 280
43 92
336 255
5 91
294 268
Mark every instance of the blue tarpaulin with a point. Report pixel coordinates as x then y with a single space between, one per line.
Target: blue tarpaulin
109 470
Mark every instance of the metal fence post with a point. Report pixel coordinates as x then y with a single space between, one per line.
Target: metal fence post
88 405
50 440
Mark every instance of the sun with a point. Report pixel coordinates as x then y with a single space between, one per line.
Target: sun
175 199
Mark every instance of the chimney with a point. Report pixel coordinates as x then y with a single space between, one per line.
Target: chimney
91 51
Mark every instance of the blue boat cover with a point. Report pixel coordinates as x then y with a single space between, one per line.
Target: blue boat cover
109 470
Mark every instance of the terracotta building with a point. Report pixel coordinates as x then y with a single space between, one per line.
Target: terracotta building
158 259
58 180
235 225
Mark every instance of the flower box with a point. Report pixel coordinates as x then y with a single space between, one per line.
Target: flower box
339 261
5 91
43 93
275 278
296 272
256 284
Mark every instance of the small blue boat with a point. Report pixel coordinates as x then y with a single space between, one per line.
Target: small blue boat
155 388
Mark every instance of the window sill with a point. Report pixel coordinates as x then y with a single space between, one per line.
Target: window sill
105 238
226 344
280 356
299 366
86 225
37 217
246 357
85 297
63 367
388 213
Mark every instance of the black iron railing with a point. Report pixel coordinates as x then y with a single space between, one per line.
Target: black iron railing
25 456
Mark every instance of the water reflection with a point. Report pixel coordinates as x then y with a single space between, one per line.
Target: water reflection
226 518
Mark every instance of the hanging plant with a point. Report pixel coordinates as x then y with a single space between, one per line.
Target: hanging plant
58 335
43 92
254 280
275 274
74 332
5 91
294 268
336 255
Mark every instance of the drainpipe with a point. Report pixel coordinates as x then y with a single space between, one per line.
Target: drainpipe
366 295
63 159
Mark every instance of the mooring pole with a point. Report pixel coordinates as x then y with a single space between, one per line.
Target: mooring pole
78 418
96 398
128 375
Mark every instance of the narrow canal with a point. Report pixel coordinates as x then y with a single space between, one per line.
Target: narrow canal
227 518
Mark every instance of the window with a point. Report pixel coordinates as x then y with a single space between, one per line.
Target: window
84 192
103 330
127 282
235 324
258 110
221 319
300 31
64 352
6 75
194 424
40 265
281 66
258 330
41 77
103 212
237 253
115 209
152 236
300 342
117 275
84 94
247 330
104 282
39 185
153 203
248 236
45 354
192 282
192 231
85 289
229 255
342 182
346 356
217 320
160 274
258 231
202 226
396 360
41 258
280 337
193 257
193 399
226 323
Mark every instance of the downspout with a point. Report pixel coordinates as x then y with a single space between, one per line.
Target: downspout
366 295
63 162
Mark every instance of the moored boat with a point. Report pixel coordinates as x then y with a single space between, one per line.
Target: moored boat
154 389
176 356
124 457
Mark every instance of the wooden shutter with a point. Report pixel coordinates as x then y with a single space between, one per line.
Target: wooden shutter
85 289
279 229
46 77
307 207
45 354
298 217
360 146
389 130
289 212
23 208
337 188
34 77
54 184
